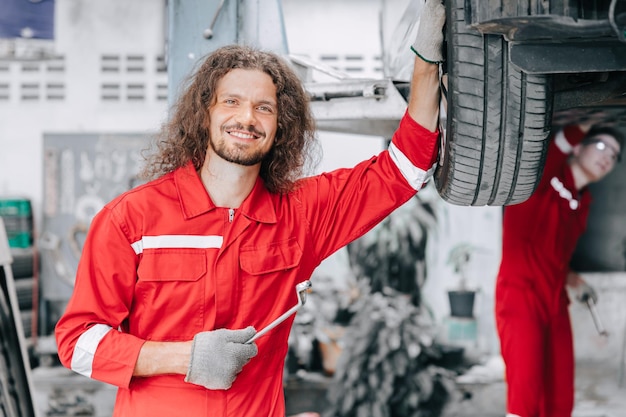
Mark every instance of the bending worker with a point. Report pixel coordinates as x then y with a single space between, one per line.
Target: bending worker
539 238
177 274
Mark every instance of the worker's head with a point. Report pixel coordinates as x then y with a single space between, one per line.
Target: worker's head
601 133
284 121
599 152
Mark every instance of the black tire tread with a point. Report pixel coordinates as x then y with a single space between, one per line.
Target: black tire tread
498 118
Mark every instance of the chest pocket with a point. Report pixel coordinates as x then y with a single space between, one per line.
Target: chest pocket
274 257
170 294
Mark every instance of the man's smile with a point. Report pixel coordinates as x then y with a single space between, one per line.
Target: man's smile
242 133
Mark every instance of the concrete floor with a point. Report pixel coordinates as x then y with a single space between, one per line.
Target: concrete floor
598 394
598 391
59 392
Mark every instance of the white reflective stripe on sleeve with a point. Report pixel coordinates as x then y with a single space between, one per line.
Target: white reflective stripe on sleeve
85 349
430 172
177 241
512 415
414 175
561 142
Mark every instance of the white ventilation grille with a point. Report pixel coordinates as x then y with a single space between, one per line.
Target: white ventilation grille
30 67
110 63
133 78
110 92
135 64
32 80
29 91
161 92
135 92
55 91
55 65
5 89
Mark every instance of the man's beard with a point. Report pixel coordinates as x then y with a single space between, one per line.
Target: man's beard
237 154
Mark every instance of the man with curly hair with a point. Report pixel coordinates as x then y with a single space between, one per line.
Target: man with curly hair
179 273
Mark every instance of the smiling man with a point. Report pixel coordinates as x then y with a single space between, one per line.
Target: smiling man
244 118
178 274
539 238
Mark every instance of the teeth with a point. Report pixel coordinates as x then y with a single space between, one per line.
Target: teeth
242 135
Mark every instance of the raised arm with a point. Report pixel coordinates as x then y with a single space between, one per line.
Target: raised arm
424 97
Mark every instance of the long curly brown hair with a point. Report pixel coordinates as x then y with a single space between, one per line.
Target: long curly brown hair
185 136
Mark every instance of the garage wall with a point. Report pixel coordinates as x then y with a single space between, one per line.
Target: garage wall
107 76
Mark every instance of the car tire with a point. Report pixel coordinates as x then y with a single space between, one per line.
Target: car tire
498 120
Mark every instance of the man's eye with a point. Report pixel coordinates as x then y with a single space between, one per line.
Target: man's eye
265 108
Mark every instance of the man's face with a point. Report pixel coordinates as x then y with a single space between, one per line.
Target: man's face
244 118
598 155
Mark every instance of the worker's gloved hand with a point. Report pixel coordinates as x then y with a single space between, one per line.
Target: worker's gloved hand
218 356
585 292
429 39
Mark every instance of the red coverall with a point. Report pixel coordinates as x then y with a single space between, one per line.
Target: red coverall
539 238
162 262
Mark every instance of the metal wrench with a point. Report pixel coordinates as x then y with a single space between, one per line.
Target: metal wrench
596 317
301 290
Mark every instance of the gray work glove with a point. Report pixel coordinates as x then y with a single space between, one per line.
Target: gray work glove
585 292
429 39
218 356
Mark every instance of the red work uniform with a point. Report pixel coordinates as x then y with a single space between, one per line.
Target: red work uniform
162 262
539 238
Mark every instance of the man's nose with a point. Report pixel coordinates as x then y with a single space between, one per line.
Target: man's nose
245 115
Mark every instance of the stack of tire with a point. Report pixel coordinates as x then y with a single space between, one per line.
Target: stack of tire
17 215
16 305
23 273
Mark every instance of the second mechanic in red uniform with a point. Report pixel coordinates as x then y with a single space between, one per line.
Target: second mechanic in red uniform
539 238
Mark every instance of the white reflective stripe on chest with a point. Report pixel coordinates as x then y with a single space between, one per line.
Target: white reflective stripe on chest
564 192
85 349
177 241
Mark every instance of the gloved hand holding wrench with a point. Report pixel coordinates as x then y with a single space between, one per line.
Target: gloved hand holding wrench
586 295
591 304
217 356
